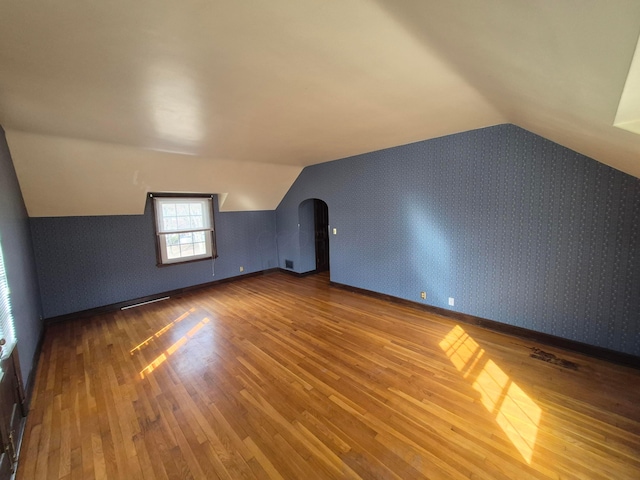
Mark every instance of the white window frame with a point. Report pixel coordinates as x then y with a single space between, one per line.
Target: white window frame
185 226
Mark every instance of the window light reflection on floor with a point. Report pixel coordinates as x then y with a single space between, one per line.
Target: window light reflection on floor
162 331
173 348
516 414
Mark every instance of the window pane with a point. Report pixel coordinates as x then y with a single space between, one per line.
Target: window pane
184 223
196 222
186 238
199 248
186 250
182 209
168 209
173 251
170 223
7 329
172 239
198 236
195 209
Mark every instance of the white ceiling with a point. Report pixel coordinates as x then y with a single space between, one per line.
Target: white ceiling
103 101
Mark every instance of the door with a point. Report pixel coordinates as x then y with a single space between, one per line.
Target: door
321 220
11 414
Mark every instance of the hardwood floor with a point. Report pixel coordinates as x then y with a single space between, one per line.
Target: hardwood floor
284 377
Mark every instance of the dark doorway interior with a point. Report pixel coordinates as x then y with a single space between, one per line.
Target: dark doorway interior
321 221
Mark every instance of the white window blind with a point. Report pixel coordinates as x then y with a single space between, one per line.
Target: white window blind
7 328
185 228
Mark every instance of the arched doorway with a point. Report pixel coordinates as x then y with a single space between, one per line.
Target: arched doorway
321 227
314 235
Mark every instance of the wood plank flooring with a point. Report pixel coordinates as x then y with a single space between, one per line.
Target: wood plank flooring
288 378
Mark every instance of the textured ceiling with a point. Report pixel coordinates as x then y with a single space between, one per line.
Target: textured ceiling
103 101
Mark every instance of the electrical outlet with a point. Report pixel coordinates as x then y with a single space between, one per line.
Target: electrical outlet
242 269
423 295
451 301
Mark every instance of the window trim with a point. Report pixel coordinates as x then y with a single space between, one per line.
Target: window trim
158 235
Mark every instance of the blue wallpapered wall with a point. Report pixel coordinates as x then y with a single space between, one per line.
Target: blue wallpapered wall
87 262
15 241
516 228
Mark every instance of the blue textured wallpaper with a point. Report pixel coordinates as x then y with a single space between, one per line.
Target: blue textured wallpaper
15 241
516 228
87 262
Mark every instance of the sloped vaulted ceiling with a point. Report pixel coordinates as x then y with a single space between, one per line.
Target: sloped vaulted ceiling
104 101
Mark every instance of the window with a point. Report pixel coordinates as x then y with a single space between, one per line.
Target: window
184 228
7 330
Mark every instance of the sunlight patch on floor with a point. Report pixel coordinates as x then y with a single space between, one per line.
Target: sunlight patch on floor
515 412
162 331
160 359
